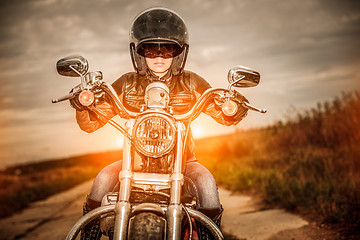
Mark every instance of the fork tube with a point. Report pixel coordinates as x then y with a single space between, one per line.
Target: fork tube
123 207
179 148
174 211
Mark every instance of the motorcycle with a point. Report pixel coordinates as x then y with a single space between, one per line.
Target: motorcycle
149 203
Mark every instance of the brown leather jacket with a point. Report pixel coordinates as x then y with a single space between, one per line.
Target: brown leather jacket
185 89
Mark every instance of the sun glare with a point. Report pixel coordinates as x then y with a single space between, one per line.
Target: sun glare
197 131
120 141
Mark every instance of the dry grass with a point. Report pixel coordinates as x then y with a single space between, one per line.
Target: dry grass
309 163
21 185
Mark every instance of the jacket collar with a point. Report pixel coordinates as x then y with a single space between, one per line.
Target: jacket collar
152 77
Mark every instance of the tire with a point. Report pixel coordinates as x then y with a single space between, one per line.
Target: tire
146 226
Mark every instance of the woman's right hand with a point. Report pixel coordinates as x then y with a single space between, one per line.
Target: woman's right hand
75 103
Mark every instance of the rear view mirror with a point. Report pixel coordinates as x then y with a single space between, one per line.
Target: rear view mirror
72 66
240 76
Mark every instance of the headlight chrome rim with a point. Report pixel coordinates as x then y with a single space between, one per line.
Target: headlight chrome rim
170 142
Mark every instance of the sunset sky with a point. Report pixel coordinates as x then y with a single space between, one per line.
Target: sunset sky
306 51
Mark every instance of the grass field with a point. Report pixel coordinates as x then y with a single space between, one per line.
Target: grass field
309 163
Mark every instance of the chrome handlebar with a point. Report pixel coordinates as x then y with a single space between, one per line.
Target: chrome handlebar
125 113
190 115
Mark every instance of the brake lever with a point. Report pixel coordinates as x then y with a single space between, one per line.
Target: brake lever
76 90
250 107
63 98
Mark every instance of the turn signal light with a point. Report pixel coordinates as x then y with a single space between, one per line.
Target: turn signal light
229 108
86 98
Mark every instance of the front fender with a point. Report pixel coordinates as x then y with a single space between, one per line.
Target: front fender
207 222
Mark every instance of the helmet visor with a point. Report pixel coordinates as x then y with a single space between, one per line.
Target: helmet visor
154 50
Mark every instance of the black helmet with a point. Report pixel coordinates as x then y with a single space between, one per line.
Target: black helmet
160 26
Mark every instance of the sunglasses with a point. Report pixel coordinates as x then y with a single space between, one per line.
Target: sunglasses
155 50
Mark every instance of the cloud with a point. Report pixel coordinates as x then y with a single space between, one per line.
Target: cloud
305 51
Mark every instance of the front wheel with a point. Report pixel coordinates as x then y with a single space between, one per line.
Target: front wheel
146 226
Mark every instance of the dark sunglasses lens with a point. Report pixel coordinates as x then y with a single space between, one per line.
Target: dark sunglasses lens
159 50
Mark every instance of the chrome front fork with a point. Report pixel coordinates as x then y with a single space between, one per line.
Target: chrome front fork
174 212
123 207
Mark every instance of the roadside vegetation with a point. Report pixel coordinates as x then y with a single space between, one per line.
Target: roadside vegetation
21 185
308 163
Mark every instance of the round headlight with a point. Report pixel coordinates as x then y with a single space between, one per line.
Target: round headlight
154 135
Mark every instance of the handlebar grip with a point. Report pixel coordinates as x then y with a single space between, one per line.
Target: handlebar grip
63 98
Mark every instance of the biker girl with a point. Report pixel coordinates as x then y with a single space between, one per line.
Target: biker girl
159 46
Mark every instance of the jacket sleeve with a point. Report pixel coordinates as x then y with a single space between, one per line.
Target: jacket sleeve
89 122
216 113
213 110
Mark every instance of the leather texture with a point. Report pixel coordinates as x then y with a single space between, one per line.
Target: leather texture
185 89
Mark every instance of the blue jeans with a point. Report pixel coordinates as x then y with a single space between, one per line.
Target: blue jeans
199 183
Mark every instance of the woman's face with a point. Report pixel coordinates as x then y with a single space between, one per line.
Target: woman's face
159 56
159 65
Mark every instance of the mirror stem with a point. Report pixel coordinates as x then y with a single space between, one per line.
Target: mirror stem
231 84
72 68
